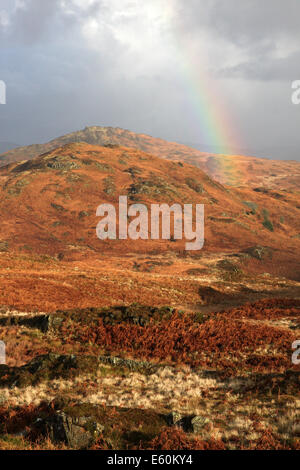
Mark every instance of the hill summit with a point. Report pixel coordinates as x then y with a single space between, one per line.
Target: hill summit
234 170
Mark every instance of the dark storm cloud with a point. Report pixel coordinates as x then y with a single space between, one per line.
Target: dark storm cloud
32 21
266 68
72 63
65 79
266 32
246 22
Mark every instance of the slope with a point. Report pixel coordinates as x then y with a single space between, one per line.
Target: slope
48 205
235 170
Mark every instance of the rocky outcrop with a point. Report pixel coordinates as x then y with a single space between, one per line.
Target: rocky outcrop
78 432
259 252
80 425
142 367
198 423
54 366
189 423
135 314
47 367
44 323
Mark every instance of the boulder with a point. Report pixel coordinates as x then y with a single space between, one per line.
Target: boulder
177 419
259 252
198 423
78 432
174 418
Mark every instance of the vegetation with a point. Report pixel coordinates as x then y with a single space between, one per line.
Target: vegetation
144 345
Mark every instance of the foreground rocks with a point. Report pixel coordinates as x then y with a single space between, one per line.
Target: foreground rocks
46 367
259 252
189 423
44 323
51 323
54 366
78 432
80 425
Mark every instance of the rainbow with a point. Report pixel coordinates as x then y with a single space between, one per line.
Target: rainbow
216 125
212 117
225 168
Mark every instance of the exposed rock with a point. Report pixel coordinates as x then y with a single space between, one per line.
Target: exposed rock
230 270
135 314
54 366
58 207
104 167
111 146
40 322
177 419
78 432
259 252
225 220
64 162
83 214
79 425
252 206
153 187
194 185
109 185
133 171
3 245
174 418
198 423
228 266
45 323
187 422
50 162
143 367
261 190
47 367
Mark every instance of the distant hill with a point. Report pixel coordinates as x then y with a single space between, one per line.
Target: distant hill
234 170
6 146
48 205
271 153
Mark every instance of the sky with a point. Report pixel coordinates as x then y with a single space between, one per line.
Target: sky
211 73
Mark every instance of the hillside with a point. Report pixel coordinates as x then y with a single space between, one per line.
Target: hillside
48 213
235 170
58 194
140 344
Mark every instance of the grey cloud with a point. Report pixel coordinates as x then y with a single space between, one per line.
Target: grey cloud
267 32
58 80
41 20
252 21
265 68
246 22
32 22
